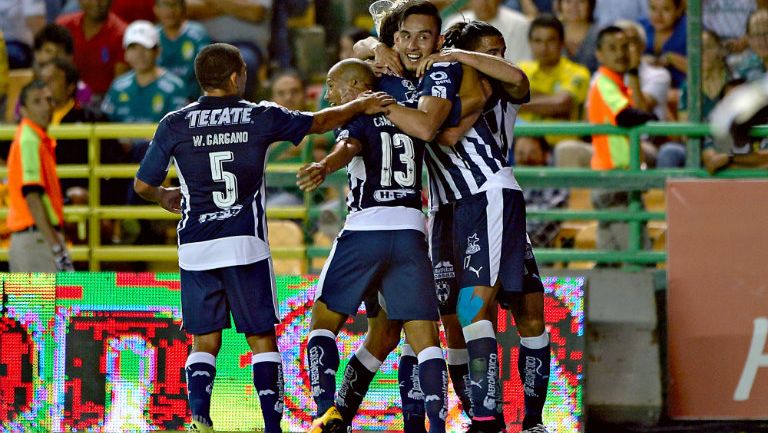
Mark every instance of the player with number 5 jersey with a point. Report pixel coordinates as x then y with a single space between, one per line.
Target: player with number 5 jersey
218 145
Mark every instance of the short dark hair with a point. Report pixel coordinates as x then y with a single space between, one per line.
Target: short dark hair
547 21
71 76
467 35
32 85
390 24
289 72
54 34
215 63
183 3
607 31
420 7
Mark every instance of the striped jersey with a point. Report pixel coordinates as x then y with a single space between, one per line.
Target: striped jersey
500 113
477 162
384 178
219 147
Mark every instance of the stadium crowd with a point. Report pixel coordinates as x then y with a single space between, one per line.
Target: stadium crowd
132 61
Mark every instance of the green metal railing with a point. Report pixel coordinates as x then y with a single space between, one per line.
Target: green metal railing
633 179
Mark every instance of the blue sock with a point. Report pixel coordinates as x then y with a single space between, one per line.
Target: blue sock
458 370
323 363
483 368
268 380
410 392
533 366
361 369
201 371
433 378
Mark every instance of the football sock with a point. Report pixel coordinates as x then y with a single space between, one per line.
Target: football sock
533 366
323 363
410 392
483 368
361 369
458 370
268 380
433 379
201 371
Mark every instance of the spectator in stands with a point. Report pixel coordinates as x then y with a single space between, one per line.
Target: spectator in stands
580 31
98 37
613 102
347 41
147 92
180 41
530 8
728 20
19 20
716 80
535 152
289 90
512 24
665 30
244 24
609 11
753 65
55 42
655 81
127 10
558 89
36 212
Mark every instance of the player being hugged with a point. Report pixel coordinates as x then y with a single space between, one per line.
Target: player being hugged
218 145
382 246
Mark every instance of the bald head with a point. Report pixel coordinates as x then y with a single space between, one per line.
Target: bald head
347 79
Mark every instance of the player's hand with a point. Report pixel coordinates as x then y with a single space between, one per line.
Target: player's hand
389 59
446 55
63 260
375 102
311 176
170 199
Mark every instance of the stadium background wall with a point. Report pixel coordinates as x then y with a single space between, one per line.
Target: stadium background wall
104 352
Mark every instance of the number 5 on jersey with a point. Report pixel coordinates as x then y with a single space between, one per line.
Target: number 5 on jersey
224 200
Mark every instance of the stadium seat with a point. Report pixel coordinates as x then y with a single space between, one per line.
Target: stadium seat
17 79
286 234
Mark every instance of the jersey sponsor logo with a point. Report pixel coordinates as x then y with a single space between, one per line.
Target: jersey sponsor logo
443 270
222 138
439 92
383 195
219 117
220 215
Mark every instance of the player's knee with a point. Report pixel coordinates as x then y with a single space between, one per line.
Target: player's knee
530 326
209 343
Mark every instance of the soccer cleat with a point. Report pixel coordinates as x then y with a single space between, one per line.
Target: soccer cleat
538 428
330 422
199 427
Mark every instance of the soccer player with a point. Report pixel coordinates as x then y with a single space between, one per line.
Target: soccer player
382 247
478 227
218 146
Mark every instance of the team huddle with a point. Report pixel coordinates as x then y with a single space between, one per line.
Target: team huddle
453 111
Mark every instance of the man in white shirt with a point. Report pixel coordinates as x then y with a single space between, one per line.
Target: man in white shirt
512 24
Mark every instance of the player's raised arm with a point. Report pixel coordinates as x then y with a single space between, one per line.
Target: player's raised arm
366 103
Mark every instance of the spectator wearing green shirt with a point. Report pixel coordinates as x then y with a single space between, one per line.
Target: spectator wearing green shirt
147 92
180 41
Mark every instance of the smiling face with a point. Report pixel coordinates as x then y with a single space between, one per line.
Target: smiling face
417 38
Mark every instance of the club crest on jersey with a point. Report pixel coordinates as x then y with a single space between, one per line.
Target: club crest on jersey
443 291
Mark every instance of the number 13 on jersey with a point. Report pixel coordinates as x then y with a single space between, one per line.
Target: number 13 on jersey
405 178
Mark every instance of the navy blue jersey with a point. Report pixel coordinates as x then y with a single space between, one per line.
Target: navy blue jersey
385 174
402 89
465 169
218 145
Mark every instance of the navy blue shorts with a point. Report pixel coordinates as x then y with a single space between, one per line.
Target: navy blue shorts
394 262
442 253
247 291
486 246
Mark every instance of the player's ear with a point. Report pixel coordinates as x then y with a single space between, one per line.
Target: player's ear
440 42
